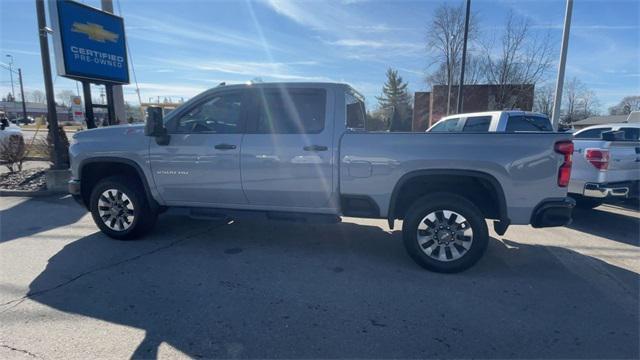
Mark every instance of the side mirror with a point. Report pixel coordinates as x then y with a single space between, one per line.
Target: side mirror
613 136
155 126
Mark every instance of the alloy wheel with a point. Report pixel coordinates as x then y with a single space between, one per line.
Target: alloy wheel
116 210
445 235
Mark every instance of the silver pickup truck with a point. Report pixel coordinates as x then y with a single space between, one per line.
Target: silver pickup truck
606 164
299 151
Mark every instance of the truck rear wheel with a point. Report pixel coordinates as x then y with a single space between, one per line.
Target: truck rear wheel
120 208
445 233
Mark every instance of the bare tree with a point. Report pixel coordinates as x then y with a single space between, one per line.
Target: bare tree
626 106
580 102
472 73
64 97
523 59
543 102
445 38
37 96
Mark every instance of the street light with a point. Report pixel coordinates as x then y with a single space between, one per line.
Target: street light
13 94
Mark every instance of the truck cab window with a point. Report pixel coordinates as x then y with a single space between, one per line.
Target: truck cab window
291 111
218 115
592 133
477 124
355 111
631 133
449 125
517 123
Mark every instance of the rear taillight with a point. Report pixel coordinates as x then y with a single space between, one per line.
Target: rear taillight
599 158
564 173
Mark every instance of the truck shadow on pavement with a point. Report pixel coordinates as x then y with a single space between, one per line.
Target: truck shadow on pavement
268 289
607 224
28 217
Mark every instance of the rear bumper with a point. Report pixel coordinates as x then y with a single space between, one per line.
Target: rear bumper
553 212
612 190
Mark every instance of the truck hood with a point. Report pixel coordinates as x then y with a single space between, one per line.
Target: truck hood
113 133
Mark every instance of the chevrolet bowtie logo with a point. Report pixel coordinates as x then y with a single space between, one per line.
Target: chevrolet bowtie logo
95 32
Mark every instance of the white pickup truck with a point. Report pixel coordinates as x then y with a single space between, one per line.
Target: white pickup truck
606 164
494 121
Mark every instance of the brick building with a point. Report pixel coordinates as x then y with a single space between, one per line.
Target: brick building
429 107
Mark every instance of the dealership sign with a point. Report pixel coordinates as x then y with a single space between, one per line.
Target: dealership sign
89 43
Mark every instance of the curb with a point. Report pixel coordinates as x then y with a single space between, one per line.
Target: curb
29 193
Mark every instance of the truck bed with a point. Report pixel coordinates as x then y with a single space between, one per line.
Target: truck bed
525 165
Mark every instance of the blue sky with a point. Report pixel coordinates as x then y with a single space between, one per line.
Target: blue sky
180 48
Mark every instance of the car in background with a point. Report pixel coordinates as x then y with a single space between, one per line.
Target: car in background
23 121
8 129
606 164
494 121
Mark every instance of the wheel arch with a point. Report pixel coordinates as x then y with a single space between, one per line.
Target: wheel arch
433 180
92 170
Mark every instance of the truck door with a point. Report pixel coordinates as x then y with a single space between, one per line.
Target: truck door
287 153
201 163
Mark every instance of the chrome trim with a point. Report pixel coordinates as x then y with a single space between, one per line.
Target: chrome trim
602 191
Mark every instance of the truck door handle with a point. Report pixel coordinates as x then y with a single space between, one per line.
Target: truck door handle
315 148
225 147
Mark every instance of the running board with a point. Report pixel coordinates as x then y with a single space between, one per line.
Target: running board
225 214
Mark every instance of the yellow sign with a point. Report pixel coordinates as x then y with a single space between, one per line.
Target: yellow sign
95 32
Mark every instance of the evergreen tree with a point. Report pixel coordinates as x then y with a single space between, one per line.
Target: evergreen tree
396 96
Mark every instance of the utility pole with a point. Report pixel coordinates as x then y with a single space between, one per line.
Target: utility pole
557 100
13 92
464 58
24 105
88 105
116 90
52 116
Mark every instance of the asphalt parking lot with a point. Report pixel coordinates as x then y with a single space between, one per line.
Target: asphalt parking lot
278 289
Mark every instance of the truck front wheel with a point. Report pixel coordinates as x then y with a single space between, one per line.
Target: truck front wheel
445 233
120 208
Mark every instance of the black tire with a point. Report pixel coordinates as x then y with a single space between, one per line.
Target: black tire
144 218
586 203
432 204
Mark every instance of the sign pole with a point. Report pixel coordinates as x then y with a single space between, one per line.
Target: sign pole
111 112
88 105
52 117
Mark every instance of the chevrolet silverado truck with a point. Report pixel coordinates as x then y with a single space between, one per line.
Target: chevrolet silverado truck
299 151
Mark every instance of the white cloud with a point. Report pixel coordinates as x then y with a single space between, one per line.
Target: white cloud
336 17
376 44
170 31
246 70
19 51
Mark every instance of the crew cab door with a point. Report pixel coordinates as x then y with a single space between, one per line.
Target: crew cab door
287 153
201 163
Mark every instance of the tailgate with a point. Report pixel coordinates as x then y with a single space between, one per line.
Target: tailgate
623 164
